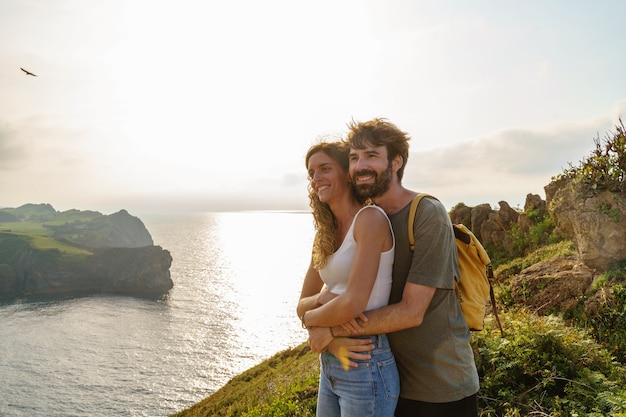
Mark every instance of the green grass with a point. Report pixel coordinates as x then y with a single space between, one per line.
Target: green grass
26 228
39 237
544 253
46 243
284 385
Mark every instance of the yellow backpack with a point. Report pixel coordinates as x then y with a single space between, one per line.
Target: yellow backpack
473 288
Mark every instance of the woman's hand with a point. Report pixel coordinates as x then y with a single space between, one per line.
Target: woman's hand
319 338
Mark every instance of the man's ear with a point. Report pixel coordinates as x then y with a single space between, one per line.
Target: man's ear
396 163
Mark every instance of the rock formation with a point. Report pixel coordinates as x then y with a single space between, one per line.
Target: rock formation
595 222
493 227
131 271
552 286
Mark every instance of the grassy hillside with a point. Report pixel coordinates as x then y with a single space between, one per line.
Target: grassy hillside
284 385
35 222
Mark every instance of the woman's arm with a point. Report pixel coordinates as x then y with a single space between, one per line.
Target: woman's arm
311 286
373 236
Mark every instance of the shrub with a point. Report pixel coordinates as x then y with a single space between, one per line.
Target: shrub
607 321
545 368
605 168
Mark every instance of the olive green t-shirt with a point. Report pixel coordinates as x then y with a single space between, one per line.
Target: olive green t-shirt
435 359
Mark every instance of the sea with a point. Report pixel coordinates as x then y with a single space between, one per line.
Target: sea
237 279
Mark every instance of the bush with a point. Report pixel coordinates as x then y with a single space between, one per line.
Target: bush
607 320
545 368
605 168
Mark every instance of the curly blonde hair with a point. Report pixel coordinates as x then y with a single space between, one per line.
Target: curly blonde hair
325 222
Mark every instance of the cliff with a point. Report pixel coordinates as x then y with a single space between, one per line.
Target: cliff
45 252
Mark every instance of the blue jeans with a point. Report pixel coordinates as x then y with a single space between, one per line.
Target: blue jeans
372 389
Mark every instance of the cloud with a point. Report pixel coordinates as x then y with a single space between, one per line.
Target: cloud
506 165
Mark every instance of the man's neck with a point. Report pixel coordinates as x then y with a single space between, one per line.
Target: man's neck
395 198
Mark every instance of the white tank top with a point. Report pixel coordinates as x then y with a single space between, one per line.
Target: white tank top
336 272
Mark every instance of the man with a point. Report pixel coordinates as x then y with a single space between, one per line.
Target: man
427 330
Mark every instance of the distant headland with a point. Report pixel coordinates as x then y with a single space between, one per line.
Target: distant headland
47 252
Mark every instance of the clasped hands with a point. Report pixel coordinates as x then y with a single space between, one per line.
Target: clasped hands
346 349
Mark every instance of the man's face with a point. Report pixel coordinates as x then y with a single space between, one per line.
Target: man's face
370 171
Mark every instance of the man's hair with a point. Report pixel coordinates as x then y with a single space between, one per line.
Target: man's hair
380 132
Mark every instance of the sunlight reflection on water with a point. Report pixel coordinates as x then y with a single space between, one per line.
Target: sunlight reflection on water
237 278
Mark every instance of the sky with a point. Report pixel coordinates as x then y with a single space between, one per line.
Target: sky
200 105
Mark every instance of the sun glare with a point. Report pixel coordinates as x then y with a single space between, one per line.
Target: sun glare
265 286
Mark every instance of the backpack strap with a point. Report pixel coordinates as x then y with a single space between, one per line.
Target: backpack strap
412 211
492 296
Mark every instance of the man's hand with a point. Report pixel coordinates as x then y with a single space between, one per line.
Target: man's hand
354 326
346 348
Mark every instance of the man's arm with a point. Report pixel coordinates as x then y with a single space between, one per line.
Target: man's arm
409 312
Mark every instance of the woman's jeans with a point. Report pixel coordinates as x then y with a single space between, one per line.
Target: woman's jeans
372 389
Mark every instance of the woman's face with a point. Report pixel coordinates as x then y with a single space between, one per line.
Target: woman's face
327 178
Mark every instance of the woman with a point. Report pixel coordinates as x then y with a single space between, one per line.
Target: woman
352 258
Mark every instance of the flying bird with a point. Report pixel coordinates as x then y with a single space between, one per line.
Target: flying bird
27 72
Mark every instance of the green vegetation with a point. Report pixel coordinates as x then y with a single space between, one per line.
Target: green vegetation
605 168
606 320
284 385
11 246
547 368
38 237
515 266
39 225
25 228
541 232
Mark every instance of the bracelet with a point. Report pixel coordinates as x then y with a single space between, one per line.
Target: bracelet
331 331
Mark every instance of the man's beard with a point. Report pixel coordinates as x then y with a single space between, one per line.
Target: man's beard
380 186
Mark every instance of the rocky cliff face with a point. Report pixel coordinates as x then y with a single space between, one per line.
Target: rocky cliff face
595 222
140 272
493 227
555 285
